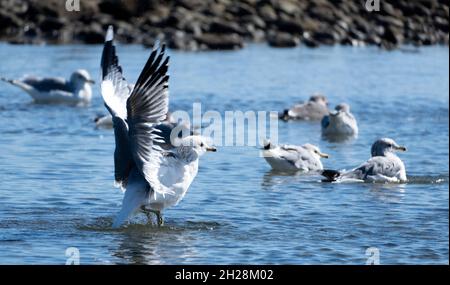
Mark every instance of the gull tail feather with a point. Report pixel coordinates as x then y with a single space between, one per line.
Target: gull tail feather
330 175
132 200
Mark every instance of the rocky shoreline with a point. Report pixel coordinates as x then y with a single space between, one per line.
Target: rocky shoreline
225 24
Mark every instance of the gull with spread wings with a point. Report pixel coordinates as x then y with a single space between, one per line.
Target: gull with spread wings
153 178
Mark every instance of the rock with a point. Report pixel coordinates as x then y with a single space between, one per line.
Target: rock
241 9
289 26
309 42
441 24
324 37
323 13
219 41
227 23
282 40
389 10
192 4
48 24
390 21
92 34
181 41
255 20
218 26
393 36
287 7
50 8
120 9
311 25
8 21
267 13
216 9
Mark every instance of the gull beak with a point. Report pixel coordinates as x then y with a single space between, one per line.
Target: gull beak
334 113
323 155
90 81
211 149
401 148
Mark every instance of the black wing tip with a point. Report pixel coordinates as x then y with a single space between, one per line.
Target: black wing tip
109 59
330 174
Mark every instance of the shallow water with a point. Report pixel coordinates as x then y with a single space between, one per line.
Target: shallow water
57 184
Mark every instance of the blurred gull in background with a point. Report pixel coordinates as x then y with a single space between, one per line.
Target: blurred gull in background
303 158
76 91
339 123
313 110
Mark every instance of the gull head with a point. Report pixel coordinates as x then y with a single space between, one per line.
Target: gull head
197 144
315 150
385 145
319 98
267 144
343 107
340 110
81 77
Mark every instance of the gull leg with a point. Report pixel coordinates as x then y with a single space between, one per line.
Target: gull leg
158 214
148 213
159 218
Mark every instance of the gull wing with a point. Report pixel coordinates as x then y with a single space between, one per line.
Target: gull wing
115 93
377 166
115 89
48 84
147 106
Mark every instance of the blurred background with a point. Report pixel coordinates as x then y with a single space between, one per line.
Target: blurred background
226 24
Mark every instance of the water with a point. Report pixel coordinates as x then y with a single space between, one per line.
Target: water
57 189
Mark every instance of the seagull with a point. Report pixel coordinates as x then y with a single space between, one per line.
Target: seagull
340 123
153 178
303 158
76 91
313 110
384 166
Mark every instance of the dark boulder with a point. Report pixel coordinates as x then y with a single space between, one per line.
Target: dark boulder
218 26
326 37
289 26
49 24
283 40
219 41
92 34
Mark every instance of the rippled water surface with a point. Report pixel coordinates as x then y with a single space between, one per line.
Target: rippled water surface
57 183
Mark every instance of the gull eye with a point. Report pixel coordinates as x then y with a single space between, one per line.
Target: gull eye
201 145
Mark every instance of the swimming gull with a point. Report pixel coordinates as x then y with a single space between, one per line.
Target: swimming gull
77 90
153 178
303 158
340 123
384 166
313 110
